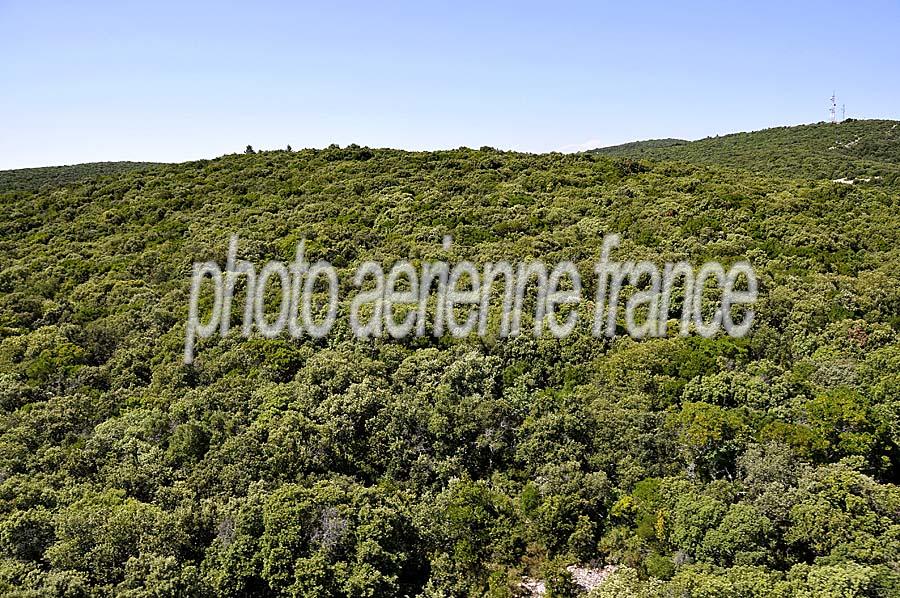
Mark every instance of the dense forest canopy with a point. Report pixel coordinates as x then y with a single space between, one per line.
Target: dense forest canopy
46 177
851 149
762 466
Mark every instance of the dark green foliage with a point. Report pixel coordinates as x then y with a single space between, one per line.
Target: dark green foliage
853 149
34 179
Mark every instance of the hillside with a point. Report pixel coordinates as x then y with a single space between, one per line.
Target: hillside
423 466
853 149
638 147
34 179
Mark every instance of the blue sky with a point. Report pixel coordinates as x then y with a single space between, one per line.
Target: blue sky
172 81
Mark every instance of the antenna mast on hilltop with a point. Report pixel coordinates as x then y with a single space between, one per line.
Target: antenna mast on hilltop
843 112
833 109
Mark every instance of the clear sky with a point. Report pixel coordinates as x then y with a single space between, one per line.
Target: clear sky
171 81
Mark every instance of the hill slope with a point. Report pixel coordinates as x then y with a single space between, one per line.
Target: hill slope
441 466
853 149
33 179
638 147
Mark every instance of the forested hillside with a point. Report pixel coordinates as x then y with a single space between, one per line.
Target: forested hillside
756 467
639 147
35 179
852 149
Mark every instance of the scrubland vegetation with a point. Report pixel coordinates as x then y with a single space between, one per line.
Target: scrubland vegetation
756 467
